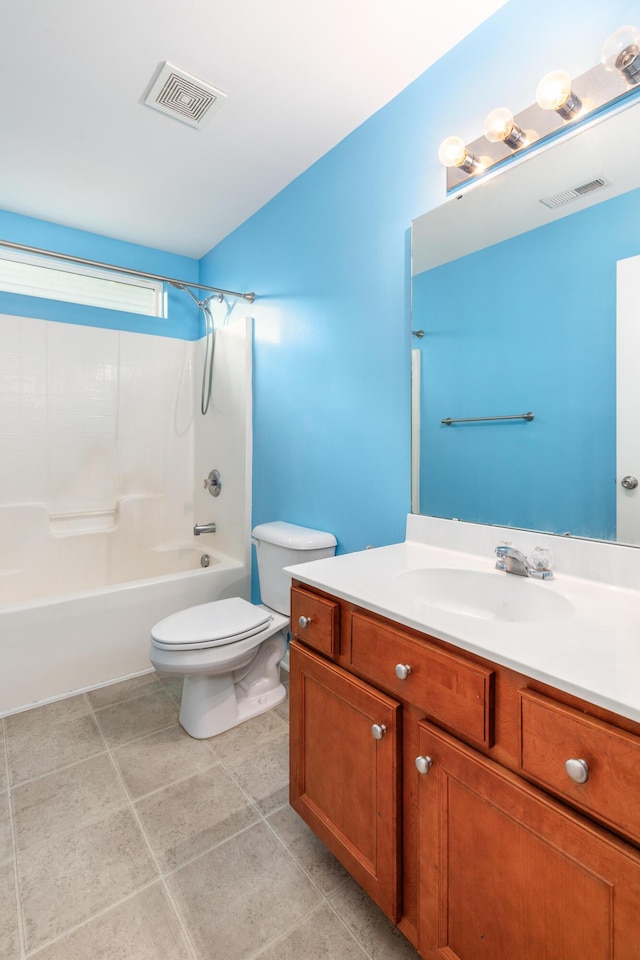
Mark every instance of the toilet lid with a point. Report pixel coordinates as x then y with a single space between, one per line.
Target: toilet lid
211 624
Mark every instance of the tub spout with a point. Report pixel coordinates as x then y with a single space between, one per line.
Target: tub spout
203 528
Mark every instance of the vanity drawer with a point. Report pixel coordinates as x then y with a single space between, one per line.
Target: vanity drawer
315 621
552 733
451 690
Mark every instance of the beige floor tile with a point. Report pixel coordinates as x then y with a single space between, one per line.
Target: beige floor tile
282 710
160 759
69 879
9 936
234 898
312 855
142 928
6 839
184 820
243 741
265 775
122 722
41 718
173 686
66 800
3 762
379 937
44 739
125 690
319 936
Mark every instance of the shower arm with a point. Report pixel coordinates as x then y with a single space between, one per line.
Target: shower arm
178 284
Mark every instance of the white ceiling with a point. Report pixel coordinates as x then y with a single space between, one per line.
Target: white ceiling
80 148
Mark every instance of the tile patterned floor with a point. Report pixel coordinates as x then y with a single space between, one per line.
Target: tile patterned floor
121 837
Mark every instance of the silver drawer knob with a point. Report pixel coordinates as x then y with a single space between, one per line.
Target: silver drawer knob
423 764
378 731
578 770
304 622
402 671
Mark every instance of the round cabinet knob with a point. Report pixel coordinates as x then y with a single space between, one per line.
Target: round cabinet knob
402 671
423 764
378 731
578 770
304 622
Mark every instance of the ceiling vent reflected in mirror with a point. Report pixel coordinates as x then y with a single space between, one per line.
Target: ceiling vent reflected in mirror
183 96
574 193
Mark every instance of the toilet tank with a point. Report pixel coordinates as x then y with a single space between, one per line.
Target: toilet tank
279 545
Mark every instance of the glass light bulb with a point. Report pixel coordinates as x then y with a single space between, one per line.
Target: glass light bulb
452 152
498 124
621 50
554 90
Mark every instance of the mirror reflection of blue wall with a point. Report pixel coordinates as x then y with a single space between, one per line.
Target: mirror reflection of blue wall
528 324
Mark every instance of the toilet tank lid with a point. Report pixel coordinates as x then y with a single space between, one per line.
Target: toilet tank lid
284 534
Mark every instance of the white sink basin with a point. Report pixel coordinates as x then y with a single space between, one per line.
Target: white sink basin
484 595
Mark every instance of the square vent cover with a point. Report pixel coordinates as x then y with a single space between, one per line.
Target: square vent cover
183 96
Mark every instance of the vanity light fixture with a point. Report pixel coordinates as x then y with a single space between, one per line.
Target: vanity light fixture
453 153
554 93
499 126
561 104
621 51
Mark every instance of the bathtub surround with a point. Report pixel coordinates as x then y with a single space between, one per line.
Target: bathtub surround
104 452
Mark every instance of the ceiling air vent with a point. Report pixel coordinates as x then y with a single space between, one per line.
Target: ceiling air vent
183 96
574 193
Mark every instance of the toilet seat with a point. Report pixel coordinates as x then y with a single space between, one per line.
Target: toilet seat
210 625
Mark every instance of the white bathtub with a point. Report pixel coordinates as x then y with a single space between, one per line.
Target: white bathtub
60 645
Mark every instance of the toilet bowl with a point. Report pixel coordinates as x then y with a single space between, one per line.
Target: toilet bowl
229 651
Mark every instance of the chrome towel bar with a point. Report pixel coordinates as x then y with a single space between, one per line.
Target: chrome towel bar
518 416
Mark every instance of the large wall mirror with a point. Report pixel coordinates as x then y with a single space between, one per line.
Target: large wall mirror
526 289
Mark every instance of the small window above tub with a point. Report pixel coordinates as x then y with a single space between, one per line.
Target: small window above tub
36 276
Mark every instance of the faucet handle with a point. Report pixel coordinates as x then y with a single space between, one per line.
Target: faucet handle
501 552
541 558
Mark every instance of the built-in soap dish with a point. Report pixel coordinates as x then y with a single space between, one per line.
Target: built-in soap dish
83 521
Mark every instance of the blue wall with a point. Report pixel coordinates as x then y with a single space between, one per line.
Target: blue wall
547 343
329 260
183 320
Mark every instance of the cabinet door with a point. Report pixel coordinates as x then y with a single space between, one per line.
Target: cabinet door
344 781
506 872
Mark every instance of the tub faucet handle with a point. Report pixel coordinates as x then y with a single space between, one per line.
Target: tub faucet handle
213 483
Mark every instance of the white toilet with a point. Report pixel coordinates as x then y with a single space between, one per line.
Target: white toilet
229 650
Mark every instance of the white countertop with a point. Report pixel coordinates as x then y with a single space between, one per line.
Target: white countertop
594 653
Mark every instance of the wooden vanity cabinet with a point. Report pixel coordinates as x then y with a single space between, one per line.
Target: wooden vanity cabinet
344 771
485 849
507 872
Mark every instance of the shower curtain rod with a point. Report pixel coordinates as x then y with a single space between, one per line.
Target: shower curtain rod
180 284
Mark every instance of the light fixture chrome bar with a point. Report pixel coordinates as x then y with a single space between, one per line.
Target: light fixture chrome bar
180 284
518 416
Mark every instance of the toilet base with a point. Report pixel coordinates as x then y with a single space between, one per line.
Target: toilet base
213 704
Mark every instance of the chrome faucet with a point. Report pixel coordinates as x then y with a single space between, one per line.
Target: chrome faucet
203 528
514 561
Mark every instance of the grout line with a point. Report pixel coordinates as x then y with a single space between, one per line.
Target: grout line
22 945
163 875
191 948
282 934
95 916
62 769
